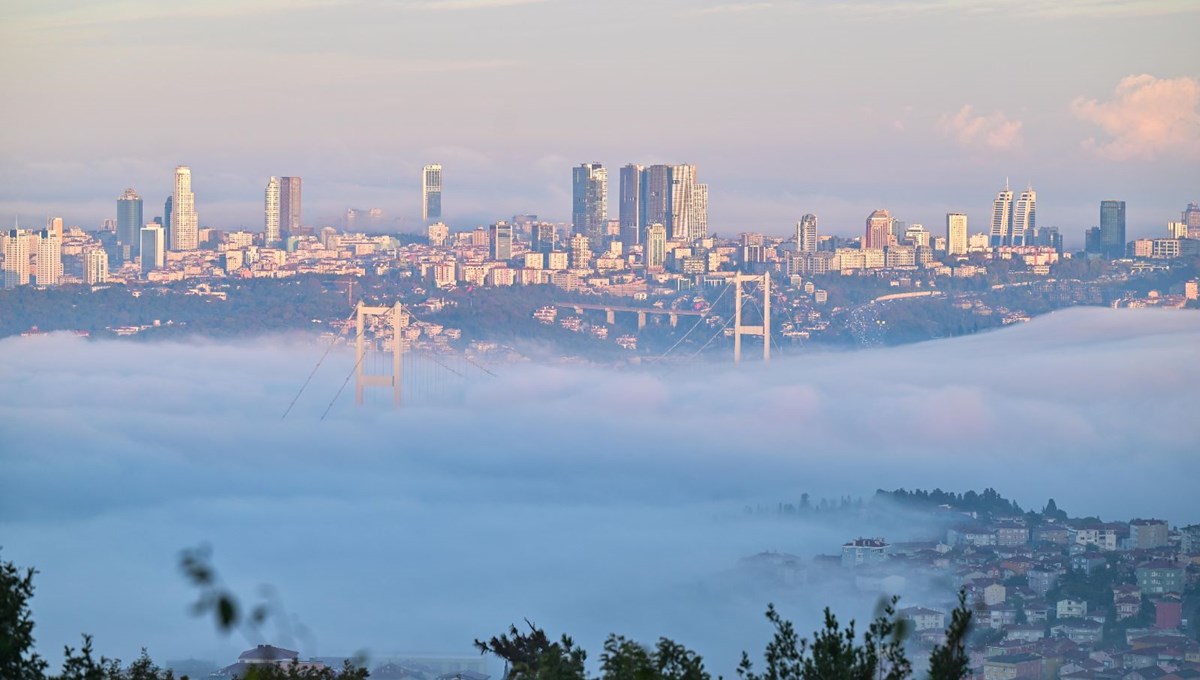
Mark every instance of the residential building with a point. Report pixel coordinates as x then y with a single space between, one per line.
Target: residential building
129 223
1001 218
923 619
698 226
431 192
152 245
1112 229
581 252
49 259
1012 666
95 266
1024 218
1071 609
806 234
956 234
185 225
589 198
271 213
1159 577
1147 533
879 229
16 258
289 207
656 247
862 551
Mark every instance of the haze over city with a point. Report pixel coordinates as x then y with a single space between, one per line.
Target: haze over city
826 107
418 319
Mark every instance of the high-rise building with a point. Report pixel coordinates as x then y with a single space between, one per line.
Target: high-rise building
956 234
631 206
1112 228
589 199
655 200
55 225
95 266
184 226
1177 230
271 213
129 221
168 208
437 232
500 241
656 247
49 259
806 234
1002 209
879 229
431 192
543 237
1191 217
699 218
289 207
683 185
153 243
581 252
16 258
1024 218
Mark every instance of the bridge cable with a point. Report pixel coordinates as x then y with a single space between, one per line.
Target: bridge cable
697 324
318 365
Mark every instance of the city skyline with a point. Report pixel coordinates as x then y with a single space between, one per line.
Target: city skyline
1124 125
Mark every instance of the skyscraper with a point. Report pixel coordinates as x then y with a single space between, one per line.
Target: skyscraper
631 206
806 234
543 237
956 234
1001 218
153 243
501 239
49 258
589 199
699 218
879 228
16 258
129 221
1112 228
271 213
683 184
168 208
656 247
431 192
1191 218
655 200
185 226
1024 218
289 207
55 225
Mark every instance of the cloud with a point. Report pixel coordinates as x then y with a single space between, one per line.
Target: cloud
993 131
589 499
732 8
1147 117
1023 8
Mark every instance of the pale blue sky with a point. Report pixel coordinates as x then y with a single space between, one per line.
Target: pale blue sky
787 107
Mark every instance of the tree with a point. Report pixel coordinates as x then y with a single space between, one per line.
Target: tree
834 652
18 661
532 656
949 660
625 659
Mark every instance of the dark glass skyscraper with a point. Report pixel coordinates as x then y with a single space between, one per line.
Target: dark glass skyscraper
129 225
289 206
589 198
655 202
631 212
1112 228
166 220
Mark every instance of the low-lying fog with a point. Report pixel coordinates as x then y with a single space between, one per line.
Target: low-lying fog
589 500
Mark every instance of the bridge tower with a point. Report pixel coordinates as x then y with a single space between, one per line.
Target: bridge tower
764 281
362 379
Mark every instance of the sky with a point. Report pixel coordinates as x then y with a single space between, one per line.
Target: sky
586 499
786 107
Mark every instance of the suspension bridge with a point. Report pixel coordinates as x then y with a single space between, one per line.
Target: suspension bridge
385 365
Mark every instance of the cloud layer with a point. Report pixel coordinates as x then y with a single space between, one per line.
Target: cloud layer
993 131
587 499
1146 118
